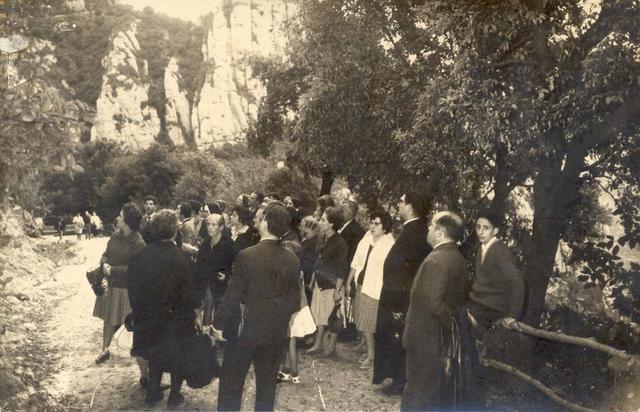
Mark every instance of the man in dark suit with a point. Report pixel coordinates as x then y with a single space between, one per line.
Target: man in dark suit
266 279
437 293
400 267
163 296
497 294
351 231
150 206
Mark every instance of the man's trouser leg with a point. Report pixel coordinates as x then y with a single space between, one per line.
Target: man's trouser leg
424 380
266 362
235 365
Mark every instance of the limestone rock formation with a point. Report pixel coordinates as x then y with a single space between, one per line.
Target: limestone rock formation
230 94
178 109
122 111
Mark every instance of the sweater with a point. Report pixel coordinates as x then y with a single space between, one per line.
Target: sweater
120 250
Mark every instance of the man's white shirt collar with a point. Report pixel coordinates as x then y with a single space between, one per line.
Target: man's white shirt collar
345 225
485 247
410 220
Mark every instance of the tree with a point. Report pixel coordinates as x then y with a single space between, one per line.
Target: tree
530 104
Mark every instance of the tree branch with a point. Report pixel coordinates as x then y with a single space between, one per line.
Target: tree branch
575 340
536 383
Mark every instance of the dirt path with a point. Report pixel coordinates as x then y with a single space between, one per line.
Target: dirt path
113 385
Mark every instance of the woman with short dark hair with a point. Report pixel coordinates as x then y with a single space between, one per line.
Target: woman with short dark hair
113 306
367 269
330 271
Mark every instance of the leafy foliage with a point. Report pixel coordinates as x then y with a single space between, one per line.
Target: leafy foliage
500 99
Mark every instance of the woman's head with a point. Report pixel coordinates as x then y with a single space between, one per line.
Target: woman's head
241 215
380 222
165 224
130 215
331 220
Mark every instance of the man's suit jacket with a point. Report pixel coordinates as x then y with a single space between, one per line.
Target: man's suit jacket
498 287
266 279
438 291
163 294
352 234
401 265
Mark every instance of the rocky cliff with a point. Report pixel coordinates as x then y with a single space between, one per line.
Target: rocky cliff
178 109
122 112
230 95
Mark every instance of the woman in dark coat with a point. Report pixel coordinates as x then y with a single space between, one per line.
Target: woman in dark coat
164 296
330 272
113 306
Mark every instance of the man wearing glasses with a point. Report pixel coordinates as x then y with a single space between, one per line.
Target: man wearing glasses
400 268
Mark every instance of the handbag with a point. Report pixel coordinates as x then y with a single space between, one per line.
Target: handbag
337 320
197 360
124 338
96 280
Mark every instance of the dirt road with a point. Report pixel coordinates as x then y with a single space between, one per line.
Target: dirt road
113 385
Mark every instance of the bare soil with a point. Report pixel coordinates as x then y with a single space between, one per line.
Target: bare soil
74 337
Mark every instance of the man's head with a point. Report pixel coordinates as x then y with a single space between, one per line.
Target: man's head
276 220
165 224
487 225
185 210
445 227
215 224
414 204
150 204
255 199
349 209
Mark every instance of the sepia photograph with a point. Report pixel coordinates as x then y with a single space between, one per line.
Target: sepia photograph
320 205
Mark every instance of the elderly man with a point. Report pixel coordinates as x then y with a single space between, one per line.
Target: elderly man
266 279
437 293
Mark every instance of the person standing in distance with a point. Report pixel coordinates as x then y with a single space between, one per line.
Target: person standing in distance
437 294
265 278
150 206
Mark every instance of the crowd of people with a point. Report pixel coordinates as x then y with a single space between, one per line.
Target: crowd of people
267 276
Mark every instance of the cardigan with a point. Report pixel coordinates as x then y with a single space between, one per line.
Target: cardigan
120 250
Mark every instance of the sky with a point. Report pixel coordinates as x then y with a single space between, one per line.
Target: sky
184 9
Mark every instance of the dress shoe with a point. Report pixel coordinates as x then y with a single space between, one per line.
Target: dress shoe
153 398
392 390
175 399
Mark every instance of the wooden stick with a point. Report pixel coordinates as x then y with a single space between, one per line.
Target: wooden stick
561 337
523 376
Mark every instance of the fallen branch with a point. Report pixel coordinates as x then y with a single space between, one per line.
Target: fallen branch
534 382
624 362
561 337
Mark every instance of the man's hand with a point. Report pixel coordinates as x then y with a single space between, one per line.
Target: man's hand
347 290
221 276
217 334
396 315
106 269
337 295
505 322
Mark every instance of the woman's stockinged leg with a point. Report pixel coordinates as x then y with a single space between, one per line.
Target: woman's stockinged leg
292 356
317 344
107 334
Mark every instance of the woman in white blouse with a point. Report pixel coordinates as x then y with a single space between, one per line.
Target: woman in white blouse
366 269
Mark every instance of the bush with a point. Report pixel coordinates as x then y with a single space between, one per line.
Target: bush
288 183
